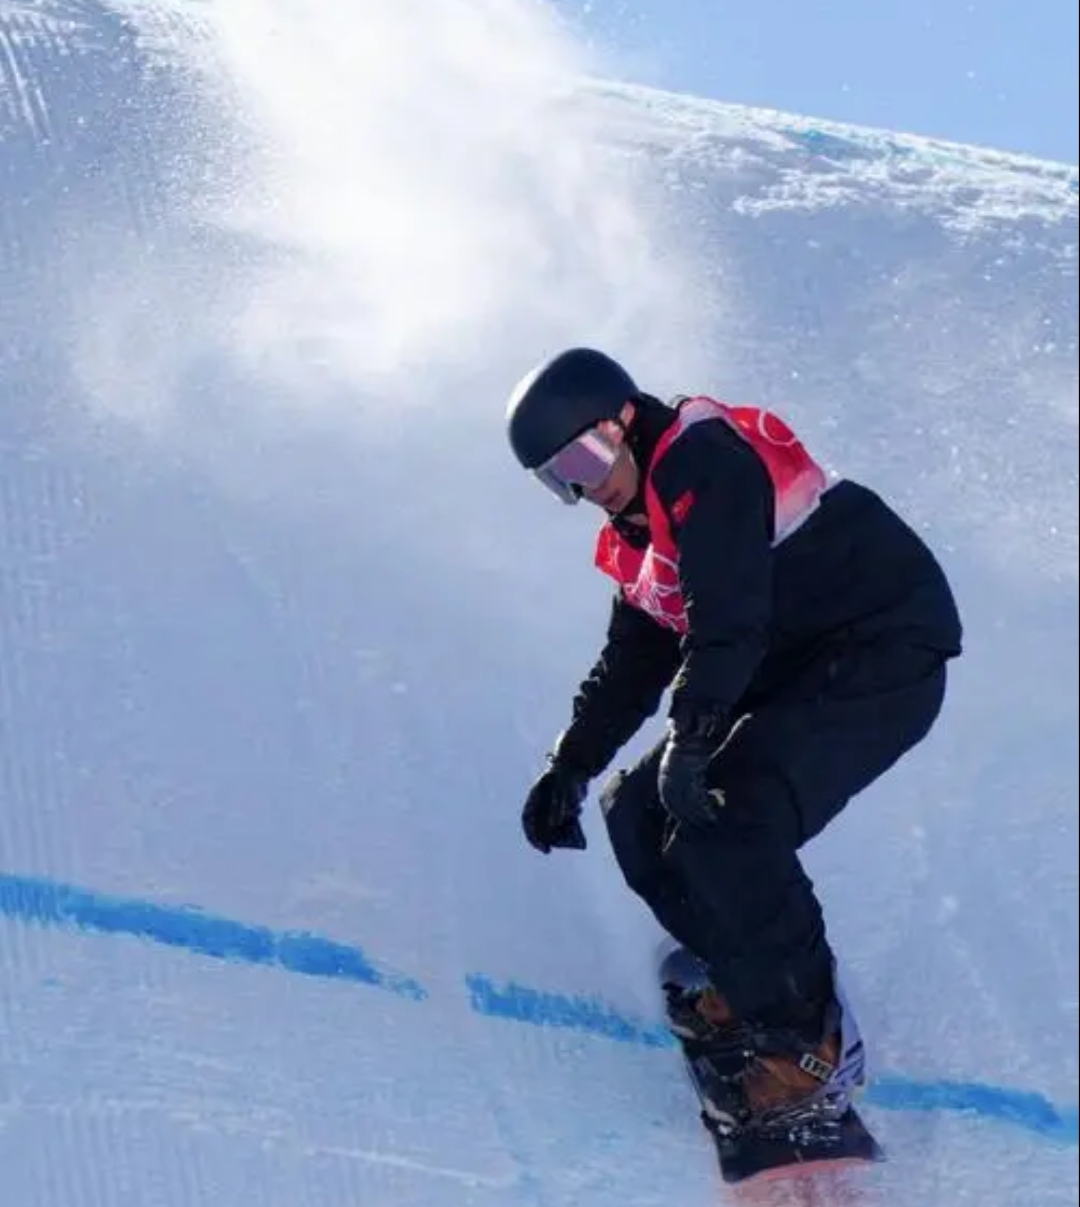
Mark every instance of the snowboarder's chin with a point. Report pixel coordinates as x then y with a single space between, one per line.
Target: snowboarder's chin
613 503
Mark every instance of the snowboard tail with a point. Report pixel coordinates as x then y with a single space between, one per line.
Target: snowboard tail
750 1154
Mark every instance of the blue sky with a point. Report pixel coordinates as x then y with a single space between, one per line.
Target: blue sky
997 73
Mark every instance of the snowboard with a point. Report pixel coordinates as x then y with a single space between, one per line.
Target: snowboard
747 1153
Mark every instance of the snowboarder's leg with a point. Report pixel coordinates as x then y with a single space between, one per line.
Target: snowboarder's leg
787 769
637 826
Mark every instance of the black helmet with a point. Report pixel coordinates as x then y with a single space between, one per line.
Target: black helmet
562 398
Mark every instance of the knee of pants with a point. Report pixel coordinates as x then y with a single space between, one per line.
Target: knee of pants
759 803
635 824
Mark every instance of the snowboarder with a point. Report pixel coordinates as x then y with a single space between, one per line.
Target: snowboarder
803 629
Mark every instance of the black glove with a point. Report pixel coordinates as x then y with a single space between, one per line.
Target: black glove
684 792
553 809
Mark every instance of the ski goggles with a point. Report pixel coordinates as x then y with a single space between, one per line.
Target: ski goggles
583 464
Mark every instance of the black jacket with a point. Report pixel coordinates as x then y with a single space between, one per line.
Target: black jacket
854 572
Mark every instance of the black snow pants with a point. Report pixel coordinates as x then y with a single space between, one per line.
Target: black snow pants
736 894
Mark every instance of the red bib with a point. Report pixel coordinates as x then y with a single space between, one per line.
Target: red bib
649 578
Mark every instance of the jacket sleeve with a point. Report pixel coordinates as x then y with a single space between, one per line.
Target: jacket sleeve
719 500
622 690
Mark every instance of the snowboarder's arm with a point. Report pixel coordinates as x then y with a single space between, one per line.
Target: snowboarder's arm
718 497
621 691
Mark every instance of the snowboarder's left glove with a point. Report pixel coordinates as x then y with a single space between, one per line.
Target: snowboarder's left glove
551 817
684 789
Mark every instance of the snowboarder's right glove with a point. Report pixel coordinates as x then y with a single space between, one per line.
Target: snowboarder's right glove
682 784
551 817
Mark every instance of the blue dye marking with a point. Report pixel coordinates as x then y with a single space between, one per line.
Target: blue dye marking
890 1092
588 1015
47 903
1030 1111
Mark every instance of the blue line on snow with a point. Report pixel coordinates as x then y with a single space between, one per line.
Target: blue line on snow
50 904
47 903
524 1005
1030 1111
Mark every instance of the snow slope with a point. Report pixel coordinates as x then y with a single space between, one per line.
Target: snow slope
284 634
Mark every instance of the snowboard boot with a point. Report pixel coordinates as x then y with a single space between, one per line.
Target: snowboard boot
799 1081
717 1046
696 1013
